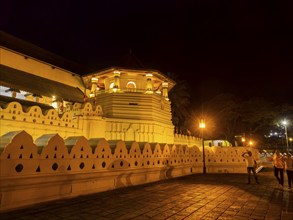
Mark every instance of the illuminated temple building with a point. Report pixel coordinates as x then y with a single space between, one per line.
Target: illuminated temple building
65 132
117 103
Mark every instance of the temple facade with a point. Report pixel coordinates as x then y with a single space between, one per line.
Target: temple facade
117 103
64 133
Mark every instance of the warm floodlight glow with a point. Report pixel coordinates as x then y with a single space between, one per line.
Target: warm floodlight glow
92 95
148 75
115 90
116 73
202 124
284 122
55 104
94 80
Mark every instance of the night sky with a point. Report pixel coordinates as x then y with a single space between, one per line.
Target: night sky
240 47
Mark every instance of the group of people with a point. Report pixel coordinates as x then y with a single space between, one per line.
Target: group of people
281 163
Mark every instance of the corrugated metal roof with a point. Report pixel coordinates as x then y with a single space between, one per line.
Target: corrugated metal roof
32 50
21 80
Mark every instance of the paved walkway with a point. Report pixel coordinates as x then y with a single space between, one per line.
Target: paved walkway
210 196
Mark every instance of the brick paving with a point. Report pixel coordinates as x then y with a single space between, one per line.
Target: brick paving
210 196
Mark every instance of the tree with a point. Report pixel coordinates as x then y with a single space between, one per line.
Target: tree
180 102
229 116
222 113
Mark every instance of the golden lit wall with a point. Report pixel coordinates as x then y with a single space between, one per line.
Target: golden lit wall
14 117
30 65
51 167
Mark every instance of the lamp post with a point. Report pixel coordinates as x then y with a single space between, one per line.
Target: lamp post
290 139
202 125
285 126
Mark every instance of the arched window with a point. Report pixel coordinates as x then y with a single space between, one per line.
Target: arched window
131 86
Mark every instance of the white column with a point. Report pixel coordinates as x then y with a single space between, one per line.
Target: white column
116 81
165 90
94 87
149 86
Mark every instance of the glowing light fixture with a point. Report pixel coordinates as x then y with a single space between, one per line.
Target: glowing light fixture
284 122
202 125
54 102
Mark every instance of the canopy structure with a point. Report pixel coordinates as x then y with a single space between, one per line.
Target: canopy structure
38 86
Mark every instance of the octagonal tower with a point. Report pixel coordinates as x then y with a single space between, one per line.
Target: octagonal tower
135 103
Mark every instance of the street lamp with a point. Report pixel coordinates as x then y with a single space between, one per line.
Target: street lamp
202 125
285 126
290 139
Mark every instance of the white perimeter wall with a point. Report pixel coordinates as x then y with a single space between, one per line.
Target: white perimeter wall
50 167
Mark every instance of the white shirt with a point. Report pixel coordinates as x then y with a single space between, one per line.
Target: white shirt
249 160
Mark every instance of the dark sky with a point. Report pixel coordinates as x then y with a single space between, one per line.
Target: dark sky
237 46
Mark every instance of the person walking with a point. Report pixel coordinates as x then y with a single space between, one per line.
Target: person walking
250 163
278 168
288 160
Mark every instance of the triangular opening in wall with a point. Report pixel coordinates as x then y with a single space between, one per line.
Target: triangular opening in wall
69 167
94 167
38 169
